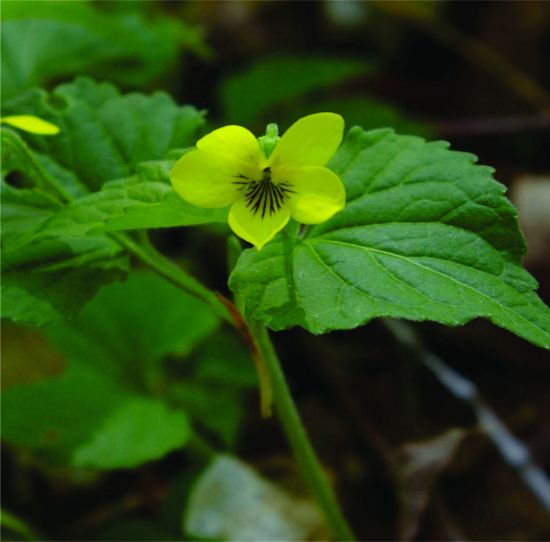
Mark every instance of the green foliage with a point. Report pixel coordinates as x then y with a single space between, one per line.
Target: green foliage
148 422
221 369
104 134
280 79
283 88
45 41
15 526
107 368
52 264
425 235
128 204
53 279
118 404
70 407
368 113
132 326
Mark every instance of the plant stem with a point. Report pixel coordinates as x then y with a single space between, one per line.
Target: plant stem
145 251
171 272
305 455
303 450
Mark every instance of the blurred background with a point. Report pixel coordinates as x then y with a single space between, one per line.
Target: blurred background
407 457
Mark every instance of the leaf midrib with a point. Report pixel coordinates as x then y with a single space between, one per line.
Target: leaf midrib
506 309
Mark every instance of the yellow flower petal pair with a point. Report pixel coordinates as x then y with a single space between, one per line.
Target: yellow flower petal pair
265 186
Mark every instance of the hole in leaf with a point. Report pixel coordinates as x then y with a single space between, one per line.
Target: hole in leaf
18 179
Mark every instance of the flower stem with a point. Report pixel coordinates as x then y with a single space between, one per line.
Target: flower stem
170 271
303 450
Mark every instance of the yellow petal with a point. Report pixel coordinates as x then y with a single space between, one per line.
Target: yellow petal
233 141
206 179
252 227
310 141
32 124
319 194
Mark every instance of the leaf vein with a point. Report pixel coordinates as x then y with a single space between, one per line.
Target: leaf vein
502 307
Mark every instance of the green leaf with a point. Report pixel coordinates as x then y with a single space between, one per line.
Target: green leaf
281 78
264 281
425 235
210 389
225 361
49 278
68 408
127 204
53 279
121 430
46 41
369 113
132 325
109 408
215 407
17 526
104 134
27 356
29 169
139 430
24 210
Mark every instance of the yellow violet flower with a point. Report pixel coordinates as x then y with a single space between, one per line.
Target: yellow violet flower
265 180
30 123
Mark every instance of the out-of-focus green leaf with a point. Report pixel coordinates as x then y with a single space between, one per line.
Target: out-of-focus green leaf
271 81
215 407
45 41
139 430
85 419
425 235
16 526
369 113
55 416
110 408
131 325
210 385
225 361
27 356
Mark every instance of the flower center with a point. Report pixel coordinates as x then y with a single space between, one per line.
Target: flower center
264 196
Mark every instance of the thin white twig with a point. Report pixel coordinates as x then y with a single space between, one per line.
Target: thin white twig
514 452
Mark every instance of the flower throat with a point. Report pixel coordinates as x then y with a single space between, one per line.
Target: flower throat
264 196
